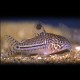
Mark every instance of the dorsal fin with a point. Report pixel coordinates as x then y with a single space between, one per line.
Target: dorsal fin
39 29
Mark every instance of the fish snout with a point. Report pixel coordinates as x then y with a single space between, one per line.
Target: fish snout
68 47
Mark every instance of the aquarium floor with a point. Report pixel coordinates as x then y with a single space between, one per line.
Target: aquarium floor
68 57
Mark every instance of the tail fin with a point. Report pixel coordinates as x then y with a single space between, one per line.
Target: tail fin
13 44
11 40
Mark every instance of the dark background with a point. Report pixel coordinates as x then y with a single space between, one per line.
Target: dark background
68 17
69 22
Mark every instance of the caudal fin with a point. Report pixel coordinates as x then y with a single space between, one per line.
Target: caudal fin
11 40
13 44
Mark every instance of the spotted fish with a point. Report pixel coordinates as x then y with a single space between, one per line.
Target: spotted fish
43 44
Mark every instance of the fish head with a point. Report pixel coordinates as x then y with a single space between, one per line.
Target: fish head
65 45
60 44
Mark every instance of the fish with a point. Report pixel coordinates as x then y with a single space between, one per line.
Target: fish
43 44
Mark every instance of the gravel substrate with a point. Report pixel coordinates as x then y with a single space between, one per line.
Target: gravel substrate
67 57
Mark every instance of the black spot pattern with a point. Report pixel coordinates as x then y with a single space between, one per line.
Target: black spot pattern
39 42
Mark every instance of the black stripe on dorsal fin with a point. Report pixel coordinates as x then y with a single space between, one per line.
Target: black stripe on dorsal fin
39 29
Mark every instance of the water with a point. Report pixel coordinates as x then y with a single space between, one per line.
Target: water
22 29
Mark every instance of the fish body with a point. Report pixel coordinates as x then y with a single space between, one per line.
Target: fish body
44 44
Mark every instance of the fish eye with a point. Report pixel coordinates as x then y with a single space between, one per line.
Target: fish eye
61 42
